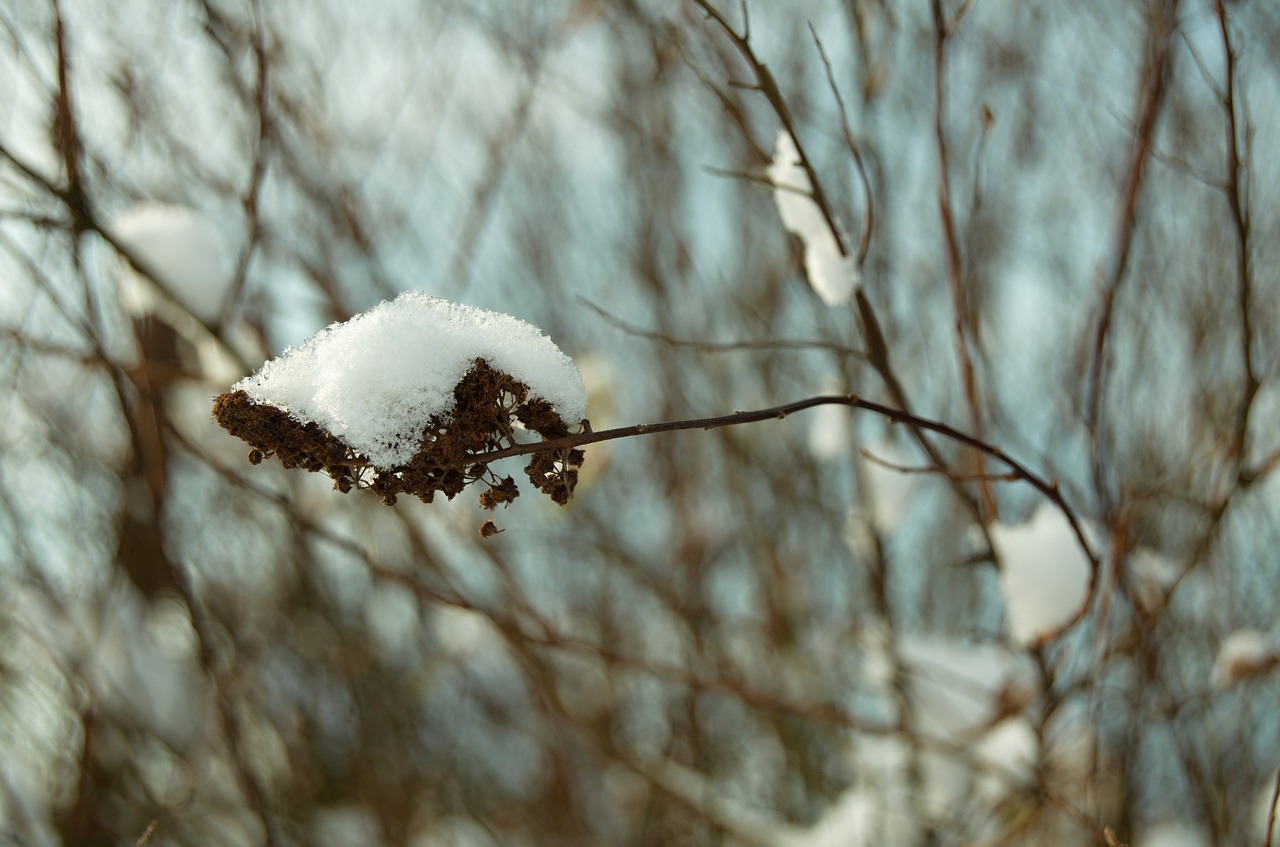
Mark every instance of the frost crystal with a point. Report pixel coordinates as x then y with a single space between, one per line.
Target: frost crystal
833 275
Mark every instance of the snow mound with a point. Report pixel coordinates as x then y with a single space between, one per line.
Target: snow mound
374 380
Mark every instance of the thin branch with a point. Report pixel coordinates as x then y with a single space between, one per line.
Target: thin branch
750 176
84 218
877 349
723 346
1049 489
768 86
252 786
951 246
258 173
868 218
1271 816
930 469
1237 196
1154 85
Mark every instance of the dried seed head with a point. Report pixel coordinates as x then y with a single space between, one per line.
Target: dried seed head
487 406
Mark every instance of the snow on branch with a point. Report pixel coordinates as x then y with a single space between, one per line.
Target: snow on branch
833 275
420 396
404 397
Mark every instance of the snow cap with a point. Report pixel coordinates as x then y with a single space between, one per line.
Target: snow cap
375 380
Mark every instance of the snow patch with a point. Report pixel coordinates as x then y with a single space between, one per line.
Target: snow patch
833 275
1044 574
186 253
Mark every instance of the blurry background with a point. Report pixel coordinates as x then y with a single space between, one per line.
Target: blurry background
754 635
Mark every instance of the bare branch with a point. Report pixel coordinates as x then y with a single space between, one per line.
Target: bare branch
723 346
1151 99
955 275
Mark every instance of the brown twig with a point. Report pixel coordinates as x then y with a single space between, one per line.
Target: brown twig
66 136
1049 489
721 346
930 469
868 217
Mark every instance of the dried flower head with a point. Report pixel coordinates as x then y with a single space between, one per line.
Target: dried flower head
410 397
490 407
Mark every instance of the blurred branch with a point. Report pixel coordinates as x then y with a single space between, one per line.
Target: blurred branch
1237 191
877 349
543 633
720 347
258 171
1271 814
955 275
1049 489
1263 468
1153 83
250 784
85 220
498 157
868 217
66 135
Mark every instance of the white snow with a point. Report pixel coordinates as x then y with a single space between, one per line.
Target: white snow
975 752
956 688
1044 574
854 819
184 250
374 380
833 275
831 426
891 491
966 700
1173 834
1244 653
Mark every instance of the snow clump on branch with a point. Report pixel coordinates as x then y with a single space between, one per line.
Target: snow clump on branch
833 275
408 398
